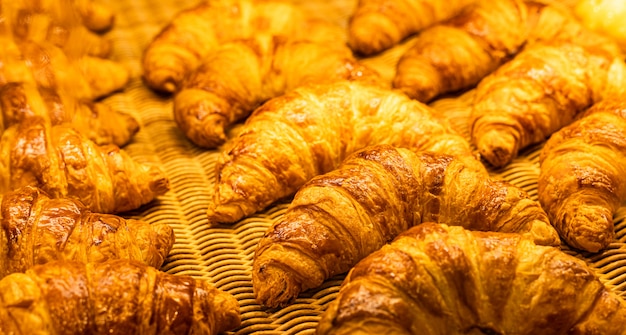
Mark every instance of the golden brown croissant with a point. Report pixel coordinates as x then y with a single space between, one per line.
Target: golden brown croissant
581 183
85 77
114 297
457 54
236 78
193 33
538 92
36 229
377 25
309 131
551 22
438 279
56 21
338 218
95 15
64 163
97 121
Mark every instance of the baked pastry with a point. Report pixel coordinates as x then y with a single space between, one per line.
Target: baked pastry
237 77
36 229
309 131
86 78
436 279
338 218
456 54
95 15
60 22
603 16
193 33
552 22
97 121
63 163
377 25
581 169
538 92
114 297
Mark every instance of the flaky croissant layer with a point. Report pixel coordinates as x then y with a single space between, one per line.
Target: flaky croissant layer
115 297
338 218
35 229
438 279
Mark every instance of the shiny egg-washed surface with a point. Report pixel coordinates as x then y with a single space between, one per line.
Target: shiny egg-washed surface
223 255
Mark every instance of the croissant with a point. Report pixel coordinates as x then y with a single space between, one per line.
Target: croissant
581 182
37 229
63 163
455 55
59 22
458 53
114 297
97 121
338 218
377 25
87 78
538 92
438 279
192 34
309 131
603 16
237 77
95 16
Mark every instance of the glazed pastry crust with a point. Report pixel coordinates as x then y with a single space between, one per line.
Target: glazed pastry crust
238 77
36 229
114 297
64 163
310 131
436 279
338 218
581 183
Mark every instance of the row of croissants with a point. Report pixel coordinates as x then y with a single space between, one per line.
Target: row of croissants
70 263
381 185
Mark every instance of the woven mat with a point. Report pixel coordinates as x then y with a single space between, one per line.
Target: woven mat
224 255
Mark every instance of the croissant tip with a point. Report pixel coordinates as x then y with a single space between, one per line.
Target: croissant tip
497 147
590 231
225 213
273 287
160 183
542 233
